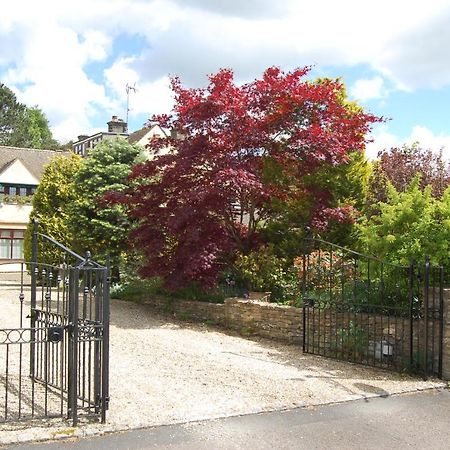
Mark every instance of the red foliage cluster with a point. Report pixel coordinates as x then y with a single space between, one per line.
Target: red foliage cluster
206 199
400 165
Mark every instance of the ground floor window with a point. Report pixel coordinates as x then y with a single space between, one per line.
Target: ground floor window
11 244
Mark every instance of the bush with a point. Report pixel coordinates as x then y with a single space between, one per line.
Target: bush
410 226
262 270
137 289
352 340
194 292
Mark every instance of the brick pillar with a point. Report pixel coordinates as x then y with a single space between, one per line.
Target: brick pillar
446 337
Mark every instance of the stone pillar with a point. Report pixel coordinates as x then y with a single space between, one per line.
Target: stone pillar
446 336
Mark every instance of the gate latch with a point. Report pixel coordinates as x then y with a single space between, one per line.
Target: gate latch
55 334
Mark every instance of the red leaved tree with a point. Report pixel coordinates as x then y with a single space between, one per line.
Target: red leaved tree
400 165
198 205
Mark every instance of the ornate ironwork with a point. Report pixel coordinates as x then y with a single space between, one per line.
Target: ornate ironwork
58 363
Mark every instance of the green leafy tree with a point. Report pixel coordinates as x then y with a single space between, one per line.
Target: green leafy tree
38 131
99 226
21 126
347 187
342 187
11 113
56 191
411 225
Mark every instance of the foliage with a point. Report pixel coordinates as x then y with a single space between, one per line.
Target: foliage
322 269
21 126
56 191
331 198
244 148
261 270
410 225
99 226
352 340
347 187
15 199
195 292
38 130
11 113
136 289
400 165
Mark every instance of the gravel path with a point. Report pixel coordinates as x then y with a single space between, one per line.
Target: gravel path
165 372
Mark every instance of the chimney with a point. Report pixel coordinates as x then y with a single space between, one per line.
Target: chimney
81 137
116 125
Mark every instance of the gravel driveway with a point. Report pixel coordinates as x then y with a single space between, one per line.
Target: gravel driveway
164 372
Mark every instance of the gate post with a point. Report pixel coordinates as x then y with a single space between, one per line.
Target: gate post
72 366
446 335
105 344
34 268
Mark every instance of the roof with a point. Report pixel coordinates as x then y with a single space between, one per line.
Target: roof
99 134
33 159
136 136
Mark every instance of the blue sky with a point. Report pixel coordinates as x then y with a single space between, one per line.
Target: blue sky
74 59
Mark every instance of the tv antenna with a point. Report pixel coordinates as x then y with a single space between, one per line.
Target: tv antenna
129 88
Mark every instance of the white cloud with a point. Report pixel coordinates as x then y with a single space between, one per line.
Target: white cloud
48 45
149 98
96 45
50 74
238 8
383 139
367 89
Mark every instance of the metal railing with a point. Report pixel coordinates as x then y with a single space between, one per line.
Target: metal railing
362 309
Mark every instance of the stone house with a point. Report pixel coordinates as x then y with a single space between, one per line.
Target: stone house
118 128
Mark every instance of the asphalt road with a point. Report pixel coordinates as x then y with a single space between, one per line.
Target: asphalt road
409 421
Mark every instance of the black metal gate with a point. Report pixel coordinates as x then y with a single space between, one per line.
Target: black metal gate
360 309
54 362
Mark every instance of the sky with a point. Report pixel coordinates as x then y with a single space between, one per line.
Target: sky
74 59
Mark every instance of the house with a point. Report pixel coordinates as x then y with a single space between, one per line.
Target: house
116 127
21 170
143 136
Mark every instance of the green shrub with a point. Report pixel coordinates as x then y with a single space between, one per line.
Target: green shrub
137 288
262 270
352 340
411 225
196 293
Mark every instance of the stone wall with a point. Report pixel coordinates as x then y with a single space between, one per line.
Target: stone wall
285 323
249 317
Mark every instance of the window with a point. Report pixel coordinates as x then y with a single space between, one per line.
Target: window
22 191
11 244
